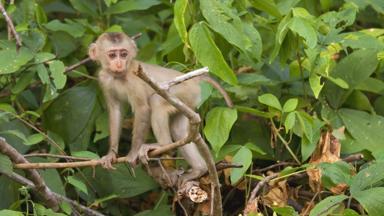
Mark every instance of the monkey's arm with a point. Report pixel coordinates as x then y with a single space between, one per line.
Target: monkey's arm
114 110
141 125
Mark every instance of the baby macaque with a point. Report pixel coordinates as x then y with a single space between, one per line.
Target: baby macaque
116 53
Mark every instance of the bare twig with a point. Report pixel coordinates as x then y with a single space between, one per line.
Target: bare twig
26 182
11 26
45 193
182 78
56 156
260 185
78 64
353 157
136 36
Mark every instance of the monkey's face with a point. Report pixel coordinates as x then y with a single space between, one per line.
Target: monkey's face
115 52
118 60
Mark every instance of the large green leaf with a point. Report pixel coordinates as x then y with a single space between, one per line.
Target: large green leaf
179 20
11 60
219 123
120 181
267 6
365 128
6 212
227 23
304 28
326 206
85 6
57 69
353 69
372 200
72 116
369 177
131 5
208 54
5 164
243 157
270 100
336 173
72 28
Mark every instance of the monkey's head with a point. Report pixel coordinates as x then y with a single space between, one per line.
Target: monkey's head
114 51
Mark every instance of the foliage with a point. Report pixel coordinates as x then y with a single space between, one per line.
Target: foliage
294 69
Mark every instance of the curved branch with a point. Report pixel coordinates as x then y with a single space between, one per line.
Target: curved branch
46 194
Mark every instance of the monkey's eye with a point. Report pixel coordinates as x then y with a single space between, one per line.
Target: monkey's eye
112 55
123 54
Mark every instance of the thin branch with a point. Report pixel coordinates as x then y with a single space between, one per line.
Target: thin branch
136 36
11 26
78 64
184 77
46 194
260 185
353 157
56 156
26 182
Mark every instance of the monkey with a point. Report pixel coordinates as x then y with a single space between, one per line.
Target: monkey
116 53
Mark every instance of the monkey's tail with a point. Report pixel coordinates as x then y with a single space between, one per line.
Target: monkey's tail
217 86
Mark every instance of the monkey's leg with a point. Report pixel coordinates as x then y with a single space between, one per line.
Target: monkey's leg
191 154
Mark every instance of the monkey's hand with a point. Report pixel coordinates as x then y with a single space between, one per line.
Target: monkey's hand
108 159
143 152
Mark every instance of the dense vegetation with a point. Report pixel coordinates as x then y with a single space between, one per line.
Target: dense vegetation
306 77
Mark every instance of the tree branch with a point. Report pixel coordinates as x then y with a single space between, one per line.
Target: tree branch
26 182
182 78
11 26
78 64
46 194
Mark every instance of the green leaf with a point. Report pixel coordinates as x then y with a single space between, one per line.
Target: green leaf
42 57
315 83
11 61
267 6
43 73
102 129
365 128
367 178
77 184
179 20
270 100
7 108
336 173
285 211
72 28
243 157
372 200
281 33
130 5
254 111
304 28
120 181
74 127
290 121
290 105
34 139
219 123
326 206
223 20
85 6
208 54
23 82
85 154
6 212
6 165
57 69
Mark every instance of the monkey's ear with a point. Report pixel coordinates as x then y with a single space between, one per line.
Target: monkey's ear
92 52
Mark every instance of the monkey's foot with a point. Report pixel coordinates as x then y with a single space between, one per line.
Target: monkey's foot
107 160
143 152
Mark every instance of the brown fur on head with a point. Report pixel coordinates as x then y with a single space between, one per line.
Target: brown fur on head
115 51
